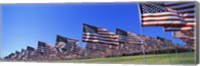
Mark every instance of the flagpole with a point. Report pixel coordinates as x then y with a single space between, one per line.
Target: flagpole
1 21
176 52
168 49
143 48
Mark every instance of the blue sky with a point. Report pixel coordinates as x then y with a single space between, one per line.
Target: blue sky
26 24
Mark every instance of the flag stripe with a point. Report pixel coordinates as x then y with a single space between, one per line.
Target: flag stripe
160 17
178 29
105 39
156 20
99 41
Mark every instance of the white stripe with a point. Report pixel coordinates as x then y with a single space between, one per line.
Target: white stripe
186 10
100 38
90 33
188 14
182 28
100 41
162 13
108 36
193 23
189 19
102 29
165 22
164 17
90 36
169 3
183 5
106 33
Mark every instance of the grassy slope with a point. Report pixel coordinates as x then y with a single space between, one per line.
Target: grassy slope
180 58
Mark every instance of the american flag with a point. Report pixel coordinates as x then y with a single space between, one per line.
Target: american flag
123 35
66 40
41 47
11 56
45 48
127 37
97 35
23 52
179 15
18 54
65 43
30 50
183 35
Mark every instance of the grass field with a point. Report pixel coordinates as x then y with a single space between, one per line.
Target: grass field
179 58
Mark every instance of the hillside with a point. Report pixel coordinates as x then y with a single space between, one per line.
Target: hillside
179 58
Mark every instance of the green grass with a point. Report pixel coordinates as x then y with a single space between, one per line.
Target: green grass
179 58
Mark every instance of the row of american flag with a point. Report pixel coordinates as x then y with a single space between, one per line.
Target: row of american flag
177 17
44 49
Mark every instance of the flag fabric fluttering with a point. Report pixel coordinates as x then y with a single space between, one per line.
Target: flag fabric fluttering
41 47
123 35
11 56
97 35
186 12
23 52
168 14
156 14
65 43
29 48
18 54
127 37
173 16
45 48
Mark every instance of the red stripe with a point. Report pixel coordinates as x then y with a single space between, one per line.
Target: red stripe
187 16
161 15
183 25
165 25
103 36
101 43
111 40
161 20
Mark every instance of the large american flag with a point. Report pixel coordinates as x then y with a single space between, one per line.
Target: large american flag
172 15
97 35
